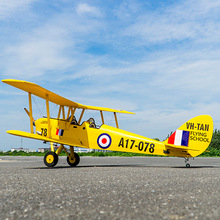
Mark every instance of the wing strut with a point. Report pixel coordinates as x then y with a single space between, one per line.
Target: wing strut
68 113
63 112
48 115
31 114
72 114
58 117
102 117
81 116
116 121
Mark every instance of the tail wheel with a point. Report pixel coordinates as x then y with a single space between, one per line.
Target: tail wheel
50 159
186 161
73 161
187 165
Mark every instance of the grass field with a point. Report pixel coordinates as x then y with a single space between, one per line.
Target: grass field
208 153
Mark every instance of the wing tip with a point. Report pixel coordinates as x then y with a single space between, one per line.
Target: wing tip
11 81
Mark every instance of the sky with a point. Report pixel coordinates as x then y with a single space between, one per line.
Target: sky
158 59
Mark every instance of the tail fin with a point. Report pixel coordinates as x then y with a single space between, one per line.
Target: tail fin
192 138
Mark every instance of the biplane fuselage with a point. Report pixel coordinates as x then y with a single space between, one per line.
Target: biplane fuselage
114 139
190 140
103 138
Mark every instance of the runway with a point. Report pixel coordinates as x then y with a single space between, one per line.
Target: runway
110 188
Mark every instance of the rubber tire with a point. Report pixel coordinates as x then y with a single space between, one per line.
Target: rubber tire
50 156
76 162
188 165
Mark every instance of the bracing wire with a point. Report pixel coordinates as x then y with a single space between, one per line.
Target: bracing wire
37 106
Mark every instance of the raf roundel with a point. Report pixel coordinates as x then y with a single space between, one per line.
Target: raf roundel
104 141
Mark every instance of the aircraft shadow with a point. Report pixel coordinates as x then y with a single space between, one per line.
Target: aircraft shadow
121 165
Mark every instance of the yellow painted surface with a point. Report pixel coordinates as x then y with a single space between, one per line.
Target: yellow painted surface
39 91
109 138
200 135
50 158
189 140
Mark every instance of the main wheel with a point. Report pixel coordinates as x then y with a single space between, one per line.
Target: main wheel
73 161
50 159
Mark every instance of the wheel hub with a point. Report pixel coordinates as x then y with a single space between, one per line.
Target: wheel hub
50 159
72 160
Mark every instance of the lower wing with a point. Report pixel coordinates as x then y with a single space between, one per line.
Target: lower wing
39 137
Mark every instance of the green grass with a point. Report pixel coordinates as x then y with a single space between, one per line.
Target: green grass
93 153
209 153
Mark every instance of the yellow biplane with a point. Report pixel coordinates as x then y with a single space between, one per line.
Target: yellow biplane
190 140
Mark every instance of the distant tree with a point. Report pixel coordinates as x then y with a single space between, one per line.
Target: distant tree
168 135
215 143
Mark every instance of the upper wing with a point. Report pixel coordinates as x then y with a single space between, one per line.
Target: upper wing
52 97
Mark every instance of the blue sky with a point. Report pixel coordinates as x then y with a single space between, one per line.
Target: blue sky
159 59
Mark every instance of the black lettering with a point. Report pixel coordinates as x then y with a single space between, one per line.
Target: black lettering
202 127
146 146
190 125
45 132
151 149
206 127
121 143
132 143
141 146
127 143
201 139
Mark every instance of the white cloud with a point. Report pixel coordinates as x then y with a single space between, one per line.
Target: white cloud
51 47
191 20
8 8
37 54
191 71
84 8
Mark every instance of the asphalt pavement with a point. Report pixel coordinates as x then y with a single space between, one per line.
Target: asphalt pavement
110 188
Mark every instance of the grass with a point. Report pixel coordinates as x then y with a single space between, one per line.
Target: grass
210 153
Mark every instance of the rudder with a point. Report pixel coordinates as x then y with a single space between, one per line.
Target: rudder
194 136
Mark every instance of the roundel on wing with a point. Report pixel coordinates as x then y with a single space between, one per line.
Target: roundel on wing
104 141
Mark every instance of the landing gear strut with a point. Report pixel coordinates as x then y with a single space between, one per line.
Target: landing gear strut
186 162
51 158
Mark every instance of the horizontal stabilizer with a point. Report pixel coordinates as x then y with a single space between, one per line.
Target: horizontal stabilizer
171 146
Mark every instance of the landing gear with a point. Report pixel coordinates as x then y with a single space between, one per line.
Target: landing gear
73 161
50 159
186 161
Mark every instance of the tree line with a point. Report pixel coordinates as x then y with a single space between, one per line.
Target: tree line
215 143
